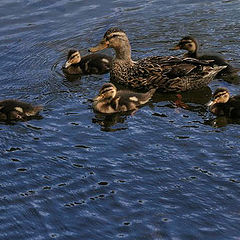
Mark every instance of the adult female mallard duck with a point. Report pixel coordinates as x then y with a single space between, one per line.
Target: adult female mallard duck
90 64
224 105
191 45
13 110
109 100
165 73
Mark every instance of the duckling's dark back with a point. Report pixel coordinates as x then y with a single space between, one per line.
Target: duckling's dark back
11 104
232 107
96 64
128 97
218 60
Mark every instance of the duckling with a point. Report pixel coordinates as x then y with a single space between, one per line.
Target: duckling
109 100
224 105
90 64
168 74
191 45
13 110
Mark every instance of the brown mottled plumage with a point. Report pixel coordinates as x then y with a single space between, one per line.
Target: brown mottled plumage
90 64
109 100
224 105
191 45
168 74
13 110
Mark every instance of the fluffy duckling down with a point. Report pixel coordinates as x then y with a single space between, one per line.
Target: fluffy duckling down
91 64
14 110
109 100
224 105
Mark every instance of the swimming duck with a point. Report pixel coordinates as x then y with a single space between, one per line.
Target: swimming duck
224 105
13 110
90 64
191 45
109 100
165 73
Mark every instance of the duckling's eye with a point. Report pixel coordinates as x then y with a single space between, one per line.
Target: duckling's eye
73 56
220 95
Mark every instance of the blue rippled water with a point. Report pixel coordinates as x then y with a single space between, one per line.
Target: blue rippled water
162 173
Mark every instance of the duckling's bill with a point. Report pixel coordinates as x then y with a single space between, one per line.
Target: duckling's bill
67 64
177 47
210 103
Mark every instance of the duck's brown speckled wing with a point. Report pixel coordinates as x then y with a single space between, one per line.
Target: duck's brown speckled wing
168 74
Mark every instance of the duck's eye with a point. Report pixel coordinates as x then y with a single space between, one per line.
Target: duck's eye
112 36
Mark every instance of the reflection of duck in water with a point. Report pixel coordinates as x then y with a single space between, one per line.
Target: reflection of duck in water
179 102
13 110
168 74
109 100
90 64
107 121
224 105
191 45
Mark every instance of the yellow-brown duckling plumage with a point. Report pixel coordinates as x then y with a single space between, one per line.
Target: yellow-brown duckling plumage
109 100
224 105
190 44
165 73
14 110
90 64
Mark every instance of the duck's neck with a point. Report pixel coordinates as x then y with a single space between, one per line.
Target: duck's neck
123 53
192 54
194 51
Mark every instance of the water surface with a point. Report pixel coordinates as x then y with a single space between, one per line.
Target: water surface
163 173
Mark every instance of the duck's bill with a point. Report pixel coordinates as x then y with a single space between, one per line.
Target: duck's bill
210 103
102 45
177 47
67 64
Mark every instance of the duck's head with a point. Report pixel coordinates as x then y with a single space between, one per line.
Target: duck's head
114 38
107 92
221 95
187 43
73 57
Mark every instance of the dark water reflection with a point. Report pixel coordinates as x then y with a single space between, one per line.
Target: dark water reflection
169 171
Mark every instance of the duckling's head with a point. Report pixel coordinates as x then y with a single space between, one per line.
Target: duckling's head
106 93
221 95
187 43
73 57
113 38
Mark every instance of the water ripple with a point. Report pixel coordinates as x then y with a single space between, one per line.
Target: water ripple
76 174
